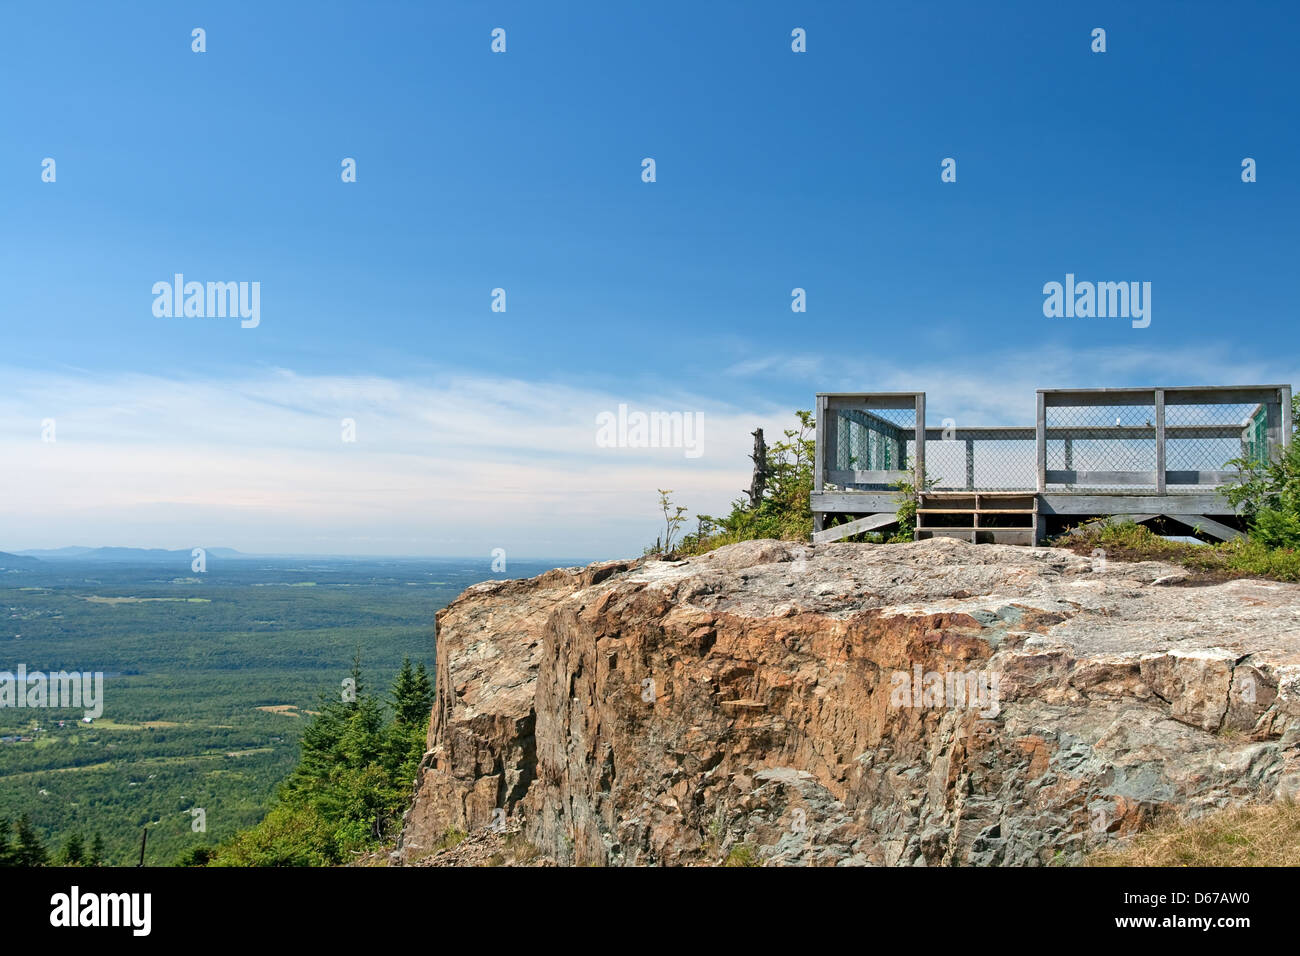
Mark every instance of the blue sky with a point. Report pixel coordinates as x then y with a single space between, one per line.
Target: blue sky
522 171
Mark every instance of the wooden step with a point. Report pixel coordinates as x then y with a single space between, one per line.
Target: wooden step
979 517
977 501
1019 536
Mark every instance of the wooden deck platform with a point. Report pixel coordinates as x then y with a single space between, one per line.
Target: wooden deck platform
1015 484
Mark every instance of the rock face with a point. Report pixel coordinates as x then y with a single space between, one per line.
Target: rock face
936 703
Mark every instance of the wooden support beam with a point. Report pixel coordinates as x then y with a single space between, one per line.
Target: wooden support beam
982 432
1211 527
1197 503
1211 478
1160 441
870 399
1115 432
1273 428
822 447
920 441
855 502
1059 476
1195 395
1040 440
1284 399
869 523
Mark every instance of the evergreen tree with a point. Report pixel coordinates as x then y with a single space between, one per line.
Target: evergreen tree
6 850
29 850
404 690
412 694
352 781
424 687
74 851
96 850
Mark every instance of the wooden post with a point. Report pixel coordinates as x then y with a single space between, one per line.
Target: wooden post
920 442
1273 427
1284 399
1040 440
819 464
1160 441
970 464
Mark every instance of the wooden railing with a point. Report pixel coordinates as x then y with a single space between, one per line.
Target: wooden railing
868 442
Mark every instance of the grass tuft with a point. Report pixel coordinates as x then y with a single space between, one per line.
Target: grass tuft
1260 835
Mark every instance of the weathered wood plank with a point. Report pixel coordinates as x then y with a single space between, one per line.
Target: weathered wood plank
871 400
1211 478
983 433
1060 476
869 523
1054 503
1179 395
919 463
1091 397
961 534
1021 536
1211 527
1273 426
855 502
1040 440
1221 394
822 447
1160 441
1284 394
1130 432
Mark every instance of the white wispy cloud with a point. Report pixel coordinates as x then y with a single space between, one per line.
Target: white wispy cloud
258 462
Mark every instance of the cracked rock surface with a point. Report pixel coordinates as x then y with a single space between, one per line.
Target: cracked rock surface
672 712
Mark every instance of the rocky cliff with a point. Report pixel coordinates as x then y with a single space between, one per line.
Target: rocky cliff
935 703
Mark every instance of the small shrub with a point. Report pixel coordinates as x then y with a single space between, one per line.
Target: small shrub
451 837
742 854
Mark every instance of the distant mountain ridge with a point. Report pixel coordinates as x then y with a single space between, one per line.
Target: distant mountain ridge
8 560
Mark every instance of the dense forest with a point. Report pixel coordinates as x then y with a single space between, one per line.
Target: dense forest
210 682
